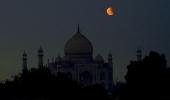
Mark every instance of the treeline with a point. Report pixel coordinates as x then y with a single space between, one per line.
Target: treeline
40 84
146 79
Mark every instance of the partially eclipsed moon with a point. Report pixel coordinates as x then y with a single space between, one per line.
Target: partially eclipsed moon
109 11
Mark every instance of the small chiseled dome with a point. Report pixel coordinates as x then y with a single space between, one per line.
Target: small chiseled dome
78 44
40 49
24 54
99 58
58 59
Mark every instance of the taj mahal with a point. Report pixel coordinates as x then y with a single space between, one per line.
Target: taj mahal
78 62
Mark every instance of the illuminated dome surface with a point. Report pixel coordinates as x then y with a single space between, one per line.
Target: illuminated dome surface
78 44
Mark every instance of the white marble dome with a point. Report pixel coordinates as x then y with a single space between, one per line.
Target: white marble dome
78 44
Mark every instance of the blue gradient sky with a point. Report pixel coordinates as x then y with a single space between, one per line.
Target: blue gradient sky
27 24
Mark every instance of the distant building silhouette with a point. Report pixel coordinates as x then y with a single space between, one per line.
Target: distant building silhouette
78 63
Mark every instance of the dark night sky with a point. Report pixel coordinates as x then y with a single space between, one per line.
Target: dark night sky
27 24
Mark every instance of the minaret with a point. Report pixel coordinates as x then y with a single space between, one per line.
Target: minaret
110 58
24 63
40 57
110 71
139 54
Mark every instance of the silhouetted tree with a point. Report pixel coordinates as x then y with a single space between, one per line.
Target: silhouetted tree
40 84
145 77
120 92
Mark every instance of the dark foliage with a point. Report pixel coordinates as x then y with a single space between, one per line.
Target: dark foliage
146 78
40 84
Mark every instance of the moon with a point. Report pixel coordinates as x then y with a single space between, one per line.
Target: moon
109 11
